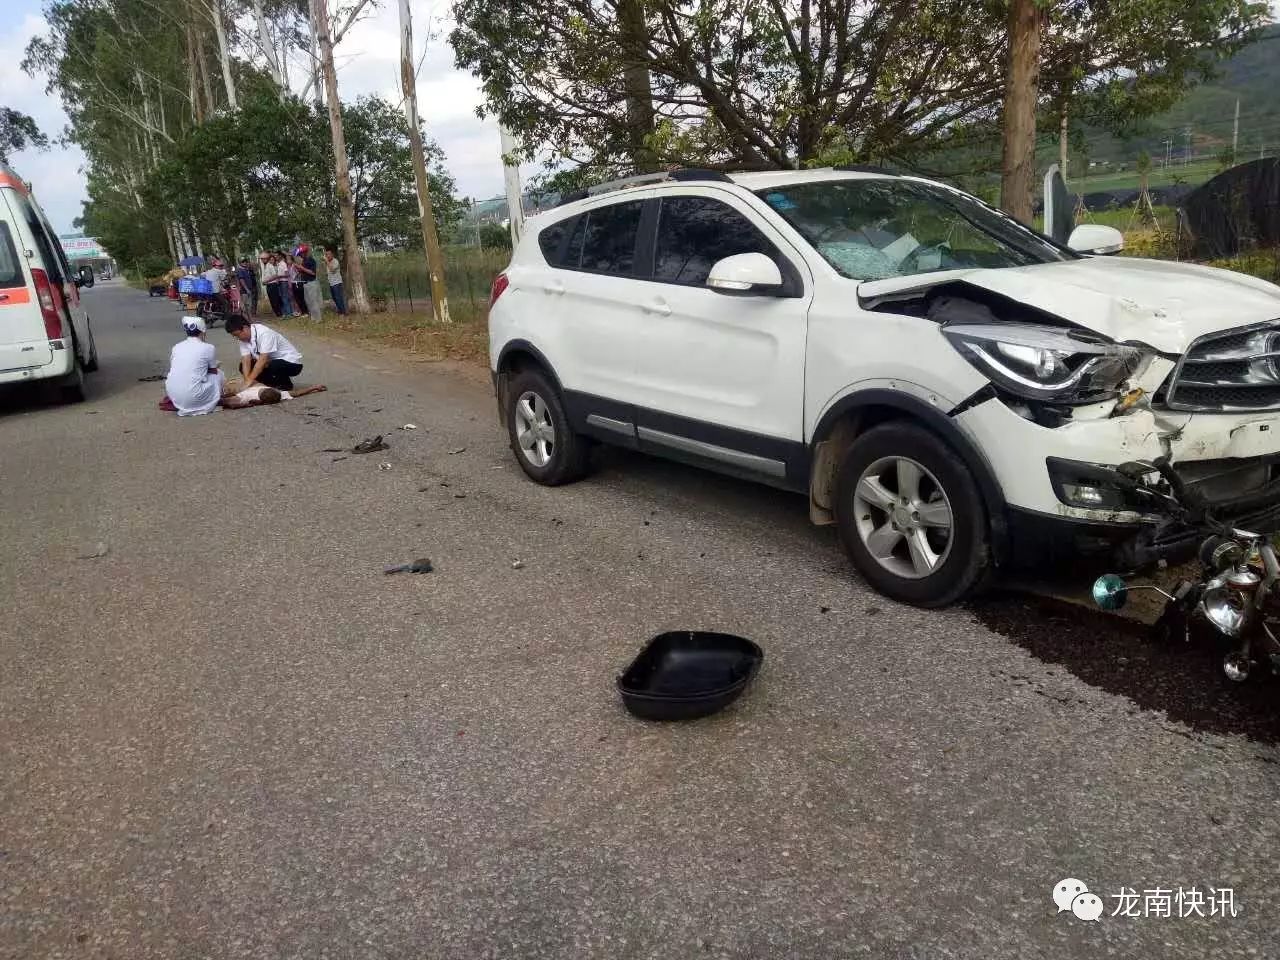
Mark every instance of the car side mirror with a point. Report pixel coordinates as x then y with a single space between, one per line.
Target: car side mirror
1096 238
85 278
746 275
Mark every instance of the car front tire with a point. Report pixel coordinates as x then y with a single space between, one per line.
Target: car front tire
910 516
544 445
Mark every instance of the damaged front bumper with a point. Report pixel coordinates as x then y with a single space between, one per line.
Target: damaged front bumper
1054 478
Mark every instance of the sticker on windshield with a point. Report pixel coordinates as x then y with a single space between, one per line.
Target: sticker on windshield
779 201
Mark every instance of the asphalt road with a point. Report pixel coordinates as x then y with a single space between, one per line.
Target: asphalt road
233 736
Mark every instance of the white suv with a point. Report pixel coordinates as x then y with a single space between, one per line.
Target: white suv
947 386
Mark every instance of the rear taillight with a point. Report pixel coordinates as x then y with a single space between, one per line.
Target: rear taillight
48 305
500 283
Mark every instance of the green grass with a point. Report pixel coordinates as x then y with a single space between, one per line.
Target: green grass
401 282
1193 173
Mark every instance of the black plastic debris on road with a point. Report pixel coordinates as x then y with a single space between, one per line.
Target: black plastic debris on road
687 674
154 378
422 565
370 445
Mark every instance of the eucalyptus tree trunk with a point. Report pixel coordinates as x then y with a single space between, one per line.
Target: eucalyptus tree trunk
354 274
426 216
268 48
224 53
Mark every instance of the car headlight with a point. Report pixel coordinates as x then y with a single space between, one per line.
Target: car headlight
1048 363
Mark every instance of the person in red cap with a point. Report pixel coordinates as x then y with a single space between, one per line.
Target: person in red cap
307 280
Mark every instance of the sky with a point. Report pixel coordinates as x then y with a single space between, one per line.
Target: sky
368 62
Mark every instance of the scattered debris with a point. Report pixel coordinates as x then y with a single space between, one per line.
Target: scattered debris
377 410
517 564
334 450
410 426
422 565
336 459
824 609
384 466
872 611
645 522
100 551
423 489
370 445
154 378
557 522
443 483
458 450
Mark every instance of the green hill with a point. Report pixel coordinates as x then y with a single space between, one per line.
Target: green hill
1207 112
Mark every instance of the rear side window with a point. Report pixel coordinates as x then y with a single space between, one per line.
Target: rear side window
609 238
10 266
695 232
551 240
51 259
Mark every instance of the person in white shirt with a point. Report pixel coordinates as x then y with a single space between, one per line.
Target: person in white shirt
217 275
266 356
194 384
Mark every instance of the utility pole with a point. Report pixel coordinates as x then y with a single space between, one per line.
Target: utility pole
1186 160
1168 150
1235 132
426 216
341 173
511 176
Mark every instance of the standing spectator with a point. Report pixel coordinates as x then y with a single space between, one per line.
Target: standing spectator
283 277
295 282
310 285
247 280
334 270
269 280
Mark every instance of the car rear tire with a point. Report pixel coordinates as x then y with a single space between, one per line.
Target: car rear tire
544 445
91 362
910 516
71 389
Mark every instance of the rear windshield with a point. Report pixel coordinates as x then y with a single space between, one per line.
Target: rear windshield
10 265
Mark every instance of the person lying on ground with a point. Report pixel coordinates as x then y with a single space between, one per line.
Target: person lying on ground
194 383
266 356
260 396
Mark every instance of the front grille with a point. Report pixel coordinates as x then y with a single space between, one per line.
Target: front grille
1234 370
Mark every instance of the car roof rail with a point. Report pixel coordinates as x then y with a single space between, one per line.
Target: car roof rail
697 173
864 168
683 174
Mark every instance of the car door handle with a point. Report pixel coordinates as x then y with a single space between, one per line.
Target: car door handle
659 307
553 286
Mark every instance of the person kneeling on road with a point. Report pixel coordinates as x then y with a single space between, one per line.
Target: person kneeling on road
266 357
194 384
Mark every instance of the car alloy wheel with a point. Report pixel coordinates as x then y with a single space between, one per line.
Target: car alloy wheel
535 431
903 517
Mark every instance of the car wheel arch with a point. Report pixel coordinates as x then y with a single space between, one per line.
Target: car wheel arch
859 411
517 355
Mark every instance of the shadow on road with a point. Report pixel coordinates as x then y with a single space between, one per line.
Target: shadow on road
1115 654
